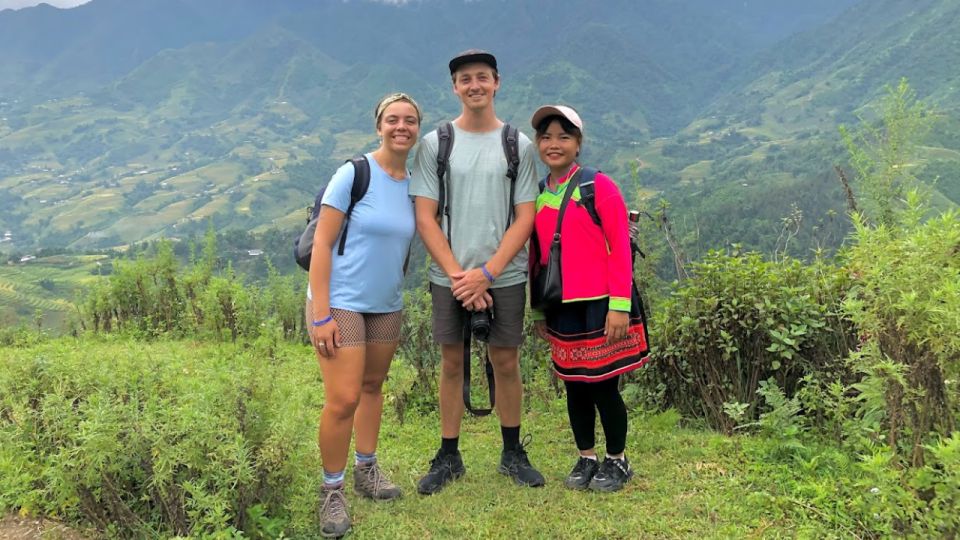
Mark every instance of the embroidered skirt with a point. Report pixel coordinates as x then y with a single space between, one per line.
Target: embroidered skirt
578 346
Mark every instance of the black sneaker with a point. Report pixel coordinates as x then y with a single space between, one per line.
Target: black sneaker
515 464
582 473
444 468
613 475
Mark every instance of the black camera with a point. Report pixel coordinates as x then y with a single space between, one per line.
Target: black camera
480 325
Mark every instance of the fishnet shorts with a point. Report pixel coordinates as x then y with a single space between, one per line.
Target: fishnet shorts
360 328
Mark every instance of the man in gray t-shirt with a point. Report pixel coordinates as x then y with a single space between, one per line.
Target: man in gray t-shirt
478 261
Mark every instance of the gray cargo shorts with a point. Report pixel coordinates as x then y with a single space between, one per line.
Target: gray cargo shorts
506 325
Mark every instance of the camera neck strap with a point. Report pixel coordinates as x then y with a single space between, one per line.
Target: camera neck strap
488 367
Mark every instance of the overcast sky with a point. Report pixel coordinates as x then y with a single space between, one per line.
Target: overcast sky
17 4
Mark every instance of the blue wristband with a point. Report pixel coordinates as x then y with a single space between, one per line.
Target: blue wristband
486 273
323 321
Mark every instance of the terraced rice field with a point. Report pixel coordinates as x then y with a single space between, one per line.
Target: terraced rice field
47 286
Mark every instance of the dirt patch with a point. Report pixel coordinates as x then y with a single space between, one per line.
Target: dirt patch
14 527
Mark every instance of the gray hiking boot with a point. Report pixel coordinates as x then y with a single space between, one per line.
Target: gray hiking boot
369 481
334 519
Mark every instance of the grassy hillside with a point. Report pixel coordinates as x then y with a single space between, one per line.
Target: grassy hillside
766 149
689 482
189 408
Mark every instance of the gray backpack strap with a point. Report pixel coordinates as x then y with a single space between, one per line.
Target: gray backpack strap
444 148
511 149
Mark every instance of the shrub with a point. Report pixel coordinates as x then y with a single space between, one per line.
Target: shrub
905 300
144 440
153 296
740 320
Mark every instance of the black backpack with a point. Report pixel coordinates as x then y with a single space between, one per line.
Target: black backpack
303 244
589 203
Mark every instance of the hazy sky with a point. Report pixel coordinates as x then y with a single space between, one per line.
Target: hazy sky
17 4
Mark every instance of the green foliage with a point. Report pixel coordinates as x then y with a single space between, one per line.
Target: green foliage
158 441
905 301
882 152
150 296
418 351
740 320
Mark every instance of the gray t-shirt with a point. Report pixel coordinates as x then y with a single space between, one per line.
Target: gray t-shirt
479 193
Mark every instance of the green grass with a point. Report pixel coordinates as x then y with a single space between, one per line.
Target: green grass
689 483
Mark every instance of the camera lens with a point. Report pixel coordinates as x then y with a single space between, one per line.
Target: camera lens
480 325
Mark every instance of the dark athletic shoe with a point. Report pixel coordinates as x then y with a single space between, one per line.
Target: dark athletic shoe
444 468
612 476
515 464
334 519
582 473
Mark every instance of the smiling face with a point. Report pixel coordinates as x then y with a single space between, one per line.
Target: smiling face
399 126
476 85
558 147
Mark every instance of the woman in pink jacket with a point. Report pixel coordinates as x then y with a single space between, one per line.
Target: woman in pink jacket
597 333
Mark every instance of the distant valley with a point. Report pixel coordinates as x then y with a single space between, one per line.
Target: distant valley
123 121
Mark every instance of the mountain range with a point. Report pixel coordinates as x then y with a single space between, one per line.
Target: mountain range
129 120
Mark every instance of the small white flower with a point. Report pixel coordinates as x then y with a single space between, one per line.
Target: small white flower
874 490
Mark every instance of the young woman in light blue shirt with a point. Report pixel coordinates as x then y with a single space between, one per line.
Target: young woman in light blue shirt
354 307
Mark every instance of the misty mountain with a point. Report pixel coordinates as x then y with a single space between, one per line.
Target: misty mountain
123 120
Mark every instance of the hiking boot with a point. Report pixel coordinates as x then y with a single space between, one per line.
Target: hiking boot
582 473
515 464
369 481
334 520
444 468
613 475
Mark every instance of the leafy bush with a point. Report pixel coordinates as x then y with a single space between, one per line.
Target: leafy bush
905 301
147 440
153 296
740 320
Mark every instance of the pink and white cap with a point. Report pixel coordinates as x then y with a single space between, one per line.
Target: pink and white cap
559 110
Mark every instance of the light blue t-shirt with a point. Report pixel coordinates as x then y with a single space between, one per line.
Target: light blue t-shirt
368 277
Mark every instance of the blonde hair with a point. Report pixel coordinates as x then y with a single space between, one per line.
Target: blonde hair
393 98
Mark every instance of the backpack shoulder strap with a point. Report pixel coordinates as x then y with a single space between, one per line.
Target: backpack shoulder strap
361 182
587 194
444 148
510 139
511 149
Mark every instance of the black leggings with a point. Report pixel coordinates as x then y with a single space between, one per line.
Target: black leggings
583 399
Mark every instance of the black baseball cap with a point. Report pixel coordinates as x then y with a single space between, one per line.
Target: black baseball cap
472 56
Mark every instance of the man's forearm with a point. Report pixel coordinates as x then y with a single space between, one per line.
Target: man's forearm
437 246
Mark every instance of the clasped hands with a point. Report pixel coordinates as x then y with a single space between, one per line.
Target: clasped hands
470 288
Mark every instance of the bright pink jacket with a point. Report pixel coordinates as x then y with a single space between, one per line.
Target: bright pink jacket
595 262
